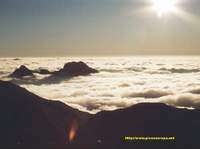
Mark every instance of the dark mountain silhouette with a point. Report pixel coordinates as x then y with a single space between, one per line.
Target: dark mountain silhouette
42 71
75 69
70 69
145 119
22 71
28 120
16 59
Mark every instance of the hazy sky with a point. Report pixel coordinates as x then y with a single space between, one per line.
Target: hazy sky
96 27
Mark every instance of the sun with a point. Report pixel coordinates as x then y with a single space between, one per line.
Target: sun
164 6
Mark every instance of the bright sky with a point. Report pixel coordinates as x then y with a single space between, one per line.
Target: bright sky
99 27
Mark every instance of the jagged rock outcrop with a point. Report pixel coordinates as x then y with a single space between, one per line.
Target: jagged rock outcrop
75 69
22 71
70 69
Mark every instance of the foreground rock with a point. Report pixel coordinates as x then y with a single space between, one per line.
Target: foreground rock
144 120
75 69
28 121
22 71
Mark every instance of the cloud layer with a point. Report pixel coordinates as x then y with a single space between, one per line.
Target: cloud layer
121 82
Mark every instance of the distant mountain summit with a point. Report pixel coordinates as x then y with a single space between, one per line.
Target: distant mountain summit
75 69
22 71
70 69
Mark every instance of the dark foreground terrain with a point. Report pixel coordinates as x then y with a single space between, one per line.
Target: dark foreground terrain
29 121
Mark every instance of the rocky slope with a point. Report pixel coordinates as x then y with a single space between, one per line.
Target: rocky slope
28 120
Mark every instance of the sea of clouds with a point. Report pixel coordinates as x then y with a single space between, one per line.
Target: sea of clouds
121 82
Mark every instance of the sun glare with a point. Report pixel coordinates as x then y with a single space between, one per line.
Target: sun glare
164 6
